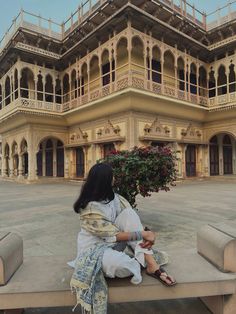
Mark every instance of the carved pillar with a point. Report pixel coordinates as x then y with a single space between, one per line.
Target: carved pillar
66 162
11 166
85 151
20 169
32 162
11 89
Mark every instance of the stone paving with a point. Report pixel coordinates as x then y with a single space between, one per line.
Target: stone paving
42 214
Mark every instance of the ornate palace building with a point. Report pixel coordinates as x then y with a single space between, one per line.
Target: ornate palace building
118 74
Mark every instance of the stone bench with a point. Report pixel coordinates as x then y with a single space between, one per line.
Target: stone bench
44 282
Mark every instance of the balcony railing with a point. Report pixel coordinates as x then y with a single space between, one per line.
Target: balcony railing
33 104
127 79
89 7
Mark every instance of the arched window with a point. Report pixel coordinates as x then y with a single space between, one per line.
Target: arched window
58 91
106 68
27 87
232 79
7 91
193 79
66 88
212 84
40 87
202 81
122 55
94 82
169 69
49 89
84 79
181 73
156 65
16 83
222 81
137 59
74 84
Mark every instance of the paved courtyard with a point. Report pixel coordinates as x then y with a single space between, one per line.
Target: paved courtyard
42 214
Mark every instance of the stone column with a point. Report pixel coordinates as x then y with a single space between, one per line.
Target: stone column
4 166
11 167
206 160
20 173
66 162
32 165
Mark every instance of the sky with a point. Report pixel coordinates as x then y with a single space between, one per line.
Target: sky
60 10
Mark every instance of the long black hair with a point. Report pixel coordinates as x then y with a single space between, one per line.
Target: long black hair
98 186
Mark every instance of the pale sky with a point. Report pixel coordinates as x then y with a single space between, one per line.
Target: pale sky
60 10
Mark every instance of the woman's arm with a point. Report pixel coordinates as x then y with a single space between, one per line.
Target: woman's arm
148 237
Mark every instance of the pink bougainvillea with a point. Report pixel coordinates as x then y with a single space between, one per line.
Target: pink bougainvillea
142 171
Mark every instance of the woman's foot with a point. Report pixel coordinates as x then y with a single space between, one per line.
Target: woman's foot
154 270
162 276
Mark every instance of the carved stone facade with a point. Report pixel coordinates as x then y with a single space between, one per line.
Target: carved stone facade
71 94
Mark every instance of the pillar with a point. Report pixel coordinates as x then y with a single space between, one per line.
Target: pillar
20 172
11 168
221 157
32 165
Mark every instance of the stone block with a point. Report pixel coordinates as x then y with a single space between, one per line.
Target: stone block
11 255
217 243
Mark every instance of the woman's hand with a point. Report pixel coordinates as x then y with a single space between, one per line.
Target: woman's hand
149 239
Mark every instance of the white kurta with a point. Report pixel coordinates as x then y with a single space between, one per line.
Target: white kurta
116 263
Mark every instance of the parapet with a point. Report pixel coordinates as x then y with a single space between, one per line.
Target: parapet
217 243
11 255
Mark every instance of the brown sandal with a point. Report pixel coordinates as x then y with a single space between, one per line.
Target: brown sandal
160 273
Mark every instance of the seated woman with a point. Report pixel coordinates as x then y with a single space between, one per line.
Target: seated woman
108 225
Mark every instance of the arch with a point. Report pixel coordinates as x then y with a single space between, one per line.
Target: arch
222 80
202 81
181 73
108 67
156 65
74 84
40 87
232 78
122 54
169 68
16 83
66 87
94 73
137 53
84 78
7 91
193 78
49 88
27 86
58 91
212 84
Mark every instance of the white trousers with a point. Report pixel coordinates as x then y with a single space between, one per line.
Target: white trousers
118 264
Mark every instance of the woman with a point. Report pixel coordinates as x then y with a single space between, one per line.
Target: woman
108 225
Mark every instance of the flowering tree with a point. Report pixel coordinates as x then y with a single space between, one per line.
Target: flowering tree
142 171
